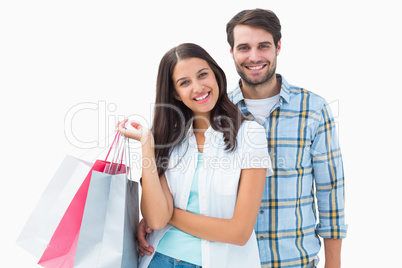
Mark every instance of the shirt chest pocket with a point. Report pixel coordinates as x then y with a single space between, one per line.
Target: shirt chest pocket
226 182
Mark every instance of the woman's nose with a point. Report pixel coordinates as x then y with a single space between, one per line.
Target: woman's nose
198 87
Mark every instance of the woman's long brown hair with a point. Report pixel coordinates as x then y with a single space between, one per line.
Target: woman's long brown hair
172 119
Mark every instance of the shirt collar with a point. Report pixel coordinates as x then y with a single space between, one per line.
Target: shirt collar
285 88
284 94
210 130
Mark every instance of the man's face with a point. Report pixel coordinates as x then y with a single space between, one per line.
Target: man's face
254 54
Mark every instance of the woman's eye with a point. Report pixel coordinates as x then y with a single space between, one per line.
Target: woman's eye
184 83
203 74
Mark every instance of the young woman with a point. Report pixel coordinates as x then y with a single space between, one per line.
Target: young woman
204 168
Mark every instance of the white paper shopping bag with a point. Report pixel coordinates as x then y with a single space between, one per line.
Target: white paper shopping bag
52 205
107 234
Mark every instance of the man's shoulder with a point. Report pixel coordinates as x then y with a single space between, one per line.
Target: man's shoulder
299 94
233 93
300 91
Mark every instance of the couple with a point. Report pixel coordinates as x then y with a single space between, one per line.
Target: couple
208 189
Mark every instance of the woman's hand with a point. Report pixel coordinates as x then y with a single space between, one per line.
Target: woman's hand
138 132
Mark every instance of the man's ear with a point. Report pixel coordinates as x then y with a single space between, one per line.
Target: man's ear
231 52
278 48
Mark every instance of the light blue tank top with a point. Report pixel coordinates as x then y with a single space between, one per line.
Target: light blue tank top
178 244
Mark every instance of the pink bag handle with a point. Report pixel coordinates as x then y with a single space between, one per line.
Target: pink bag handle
111 146
117 150
128 158
122 154
118 146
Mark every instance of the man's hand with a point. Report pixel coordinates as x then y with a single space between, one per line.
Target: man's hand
143 246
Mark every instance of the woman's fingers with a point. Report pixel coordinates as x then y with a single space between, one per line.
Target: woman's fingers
133 133
136 125
121 124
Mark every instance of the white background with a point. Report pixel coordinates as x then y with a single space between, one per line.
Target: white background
104 55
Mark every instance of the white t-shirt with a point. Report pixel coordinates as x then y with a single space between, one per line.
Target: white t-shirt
217 188
261 108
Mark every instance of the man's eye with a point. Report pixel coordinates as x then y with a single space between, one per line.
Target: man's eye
243 48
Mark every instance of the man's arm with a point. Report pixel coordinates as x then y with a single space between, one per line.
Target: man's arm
329 179
332 249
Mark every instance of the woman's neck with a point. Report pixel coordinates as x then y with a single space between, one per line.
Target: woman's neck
200 125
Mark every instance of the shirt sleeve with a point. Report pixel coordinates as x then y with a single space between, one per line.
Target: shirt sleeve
329 178
253 147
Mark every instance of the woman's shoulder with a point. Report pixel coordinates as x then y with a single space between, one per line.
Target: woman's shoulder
251 132
250 125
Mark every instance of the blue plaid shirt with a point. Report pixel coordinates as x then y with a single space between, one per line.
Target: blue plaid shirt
307 163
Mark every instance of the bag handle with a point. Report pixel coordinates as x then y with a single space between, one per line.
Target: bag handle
128 158
120 143
116 153
125 154
117 136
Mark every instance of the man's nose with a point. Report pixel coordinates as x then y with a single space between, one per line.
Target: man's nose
254 55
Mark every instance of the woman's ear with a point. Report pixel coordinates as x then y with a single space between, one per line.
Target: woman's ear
176 96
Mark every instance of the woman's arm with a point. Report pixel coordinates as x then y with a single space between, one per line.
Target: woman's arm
236 230
156 200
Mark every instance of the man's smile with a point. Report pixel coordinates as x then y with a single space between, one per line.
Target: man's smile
256 67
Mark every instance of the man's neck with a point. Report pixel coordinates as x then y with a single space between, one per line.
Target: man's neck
267 90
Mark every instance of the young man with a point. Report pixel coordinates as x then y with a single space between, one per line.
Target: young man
303 146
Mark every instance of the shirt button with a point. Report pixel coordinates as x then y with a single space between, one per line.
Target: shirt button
262 211
261 237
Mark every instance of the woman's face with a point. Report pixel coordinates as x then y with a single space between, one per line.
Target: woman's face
196 85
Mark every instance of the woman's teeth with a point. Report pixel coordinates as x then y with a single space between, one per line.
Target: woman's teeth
203 97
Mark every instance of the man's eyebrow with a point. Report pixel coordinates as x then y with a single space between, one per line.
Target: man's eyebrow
265 43
261 43
242 44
